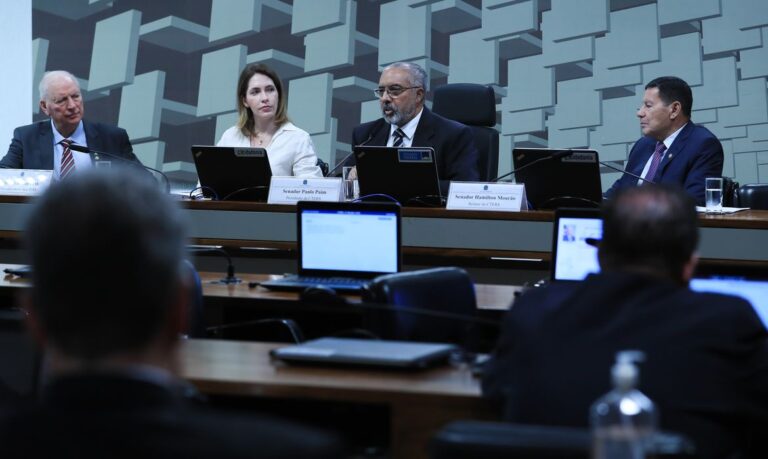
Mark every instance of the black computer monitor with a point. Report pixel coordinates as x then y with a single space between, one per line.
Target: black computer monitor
233 173
559 177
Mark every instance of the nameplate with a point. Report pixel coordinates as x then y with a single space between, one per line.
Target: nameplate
24 182
290 190
507 197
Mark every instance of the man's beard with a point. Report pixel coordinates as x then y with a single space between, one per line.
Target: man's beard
398 116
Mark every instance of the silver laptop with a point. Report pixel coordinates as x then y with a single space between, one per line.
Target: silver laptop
343 245
366 352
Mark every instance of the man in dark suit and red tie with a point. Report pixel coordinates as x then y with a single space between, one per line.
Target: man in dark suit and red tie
673 150
43 145
407 122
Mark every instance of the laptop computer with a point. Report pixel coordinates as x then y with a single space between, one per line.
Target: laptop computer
570 180
343 245
232 173
409 175
754 291
572 258
366 352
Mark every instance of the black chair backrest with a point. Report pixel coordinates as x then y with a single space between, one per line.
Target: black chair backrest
475 106
323 167
196 326
754 196
730 192
448 290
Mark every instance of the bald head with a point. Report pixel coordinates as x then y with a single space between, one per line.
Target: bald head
649 228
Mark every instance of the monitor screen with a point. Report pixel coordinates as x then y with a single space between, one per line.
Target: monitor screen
360 240
754 291
572 258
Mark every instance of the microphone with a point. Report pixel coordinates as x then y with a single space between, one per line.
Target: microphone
230 278
370 136
96 154
554 156
624 171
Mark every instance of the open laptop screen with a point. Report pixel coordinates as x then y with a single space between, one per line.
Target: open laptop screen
233 173
572 258
754 291
347 239
408 175
559 178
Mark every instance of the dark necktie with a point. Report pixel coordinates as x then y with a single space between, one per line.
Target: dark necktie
658 153
67 160
398 134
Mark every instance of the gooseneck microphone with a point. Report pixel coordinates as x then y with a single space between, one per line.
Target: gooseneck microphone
343 161
230 277
95 154
554 156
624 171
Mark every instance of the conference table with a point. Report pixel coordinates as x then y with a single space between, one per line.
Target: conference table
419 402
249 291
432 234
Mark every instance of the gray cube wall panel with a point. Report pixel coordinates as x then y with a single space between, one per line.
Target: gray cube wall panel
567 73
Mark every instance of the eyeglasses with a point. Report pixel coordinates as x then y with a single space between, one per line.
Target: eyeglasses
393 91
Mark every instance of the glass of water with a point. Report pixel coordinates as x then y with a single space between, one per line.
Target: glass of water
714 195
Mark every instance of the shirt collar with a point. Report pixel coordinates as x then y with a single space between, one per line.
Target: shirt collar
668 141
77 137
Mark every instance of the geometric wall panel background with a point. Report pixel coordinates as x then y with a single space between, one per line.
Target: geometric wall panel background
567 74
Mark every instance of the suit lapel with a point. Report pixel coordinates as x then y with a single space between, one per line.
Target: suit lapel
424 130
676 147
92 136
45 147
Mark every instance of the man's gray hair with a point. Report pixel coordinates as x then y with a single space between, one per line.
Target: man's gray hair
417 73
45 82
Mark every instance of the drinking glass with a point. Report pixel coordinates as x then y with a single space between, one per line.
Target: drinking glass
349 177
714 195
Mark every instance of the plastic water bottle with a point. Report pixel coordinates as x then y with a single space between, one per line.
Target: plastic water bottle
624 419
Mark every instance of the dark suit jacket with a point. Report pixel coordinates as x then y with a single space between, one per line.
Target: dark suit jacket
123 417
453 143
706 364
694 155
32 145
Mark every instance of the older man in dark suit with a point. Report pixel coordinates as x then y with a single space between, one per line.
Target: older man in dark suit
673 150
43 145
407 122
706 354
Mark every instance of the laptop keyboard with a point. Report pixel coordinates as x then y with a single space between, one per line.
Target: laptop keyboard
331 281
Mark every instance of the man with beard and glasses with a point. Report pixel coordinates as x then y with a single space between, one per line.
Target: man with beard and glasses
407 122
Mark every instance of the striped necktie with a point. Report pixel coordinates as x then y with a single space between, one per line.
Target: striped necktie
398 135
67 160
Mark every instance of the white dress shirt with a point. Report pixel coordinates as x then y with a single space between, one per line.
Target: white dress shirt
409 129
290 152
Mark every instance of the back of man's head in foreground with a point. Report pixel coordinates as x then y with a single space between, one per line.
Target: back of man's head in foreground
106 250
650 228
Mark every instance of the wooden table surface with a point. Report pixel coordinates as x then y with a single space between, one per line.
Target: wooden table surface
420 402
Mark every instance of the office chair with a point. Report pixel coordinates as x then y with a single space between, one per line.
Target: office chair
323 167
475 106
499 440
730 192
196 326
417 300
754 196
